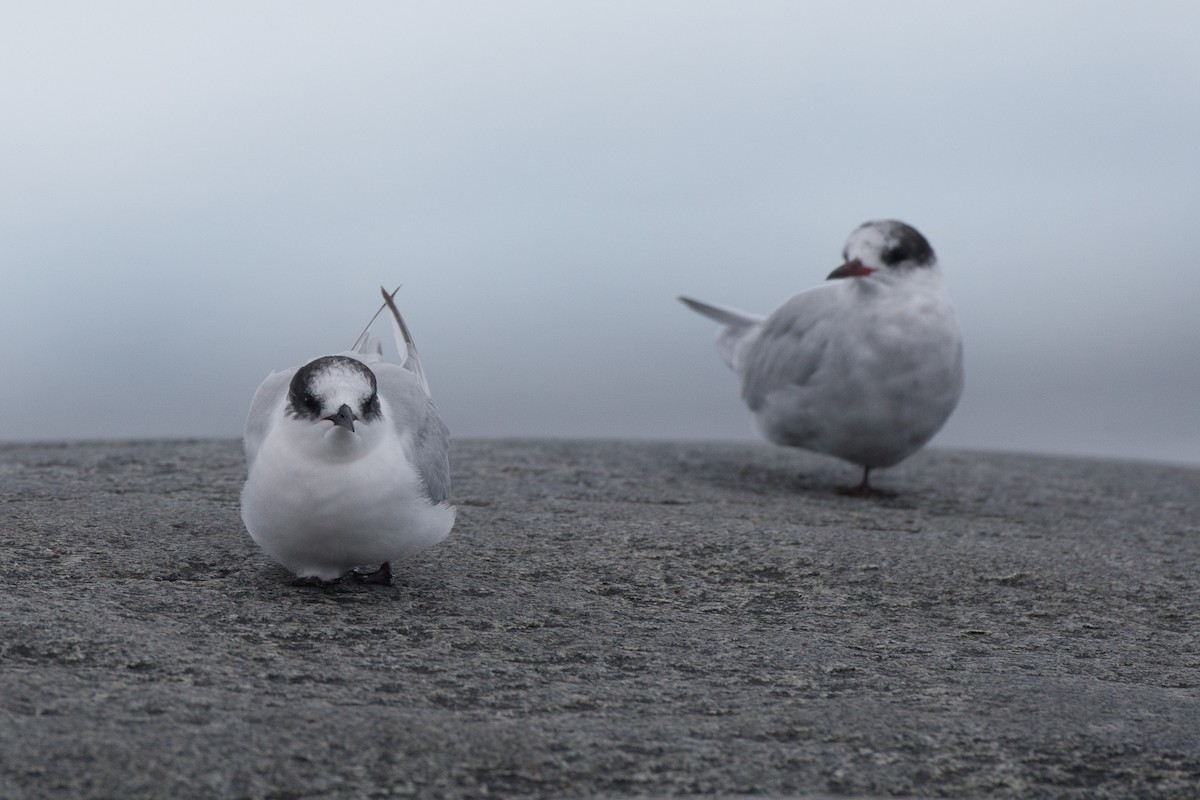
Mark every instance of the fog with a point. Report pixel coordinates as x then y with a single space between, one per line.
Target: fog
196 194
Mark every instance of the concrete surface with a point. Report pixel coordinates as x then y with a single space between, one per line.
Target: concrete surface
609 620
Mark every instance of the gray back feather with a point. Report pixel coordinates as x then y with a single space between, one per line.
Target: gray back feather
413 413
787 351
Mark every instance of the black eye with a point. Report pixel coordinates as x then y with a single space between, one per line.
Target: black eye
370 408
894 255
311 403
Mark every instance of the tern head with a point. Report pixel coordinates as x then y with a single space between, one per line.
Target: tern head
334 392
884 247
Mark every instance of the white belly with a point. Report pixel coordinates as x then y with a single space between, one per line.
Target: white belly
323 519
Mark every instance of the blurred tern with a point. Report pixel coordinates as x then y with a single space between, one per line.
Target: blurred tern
866 367
348 462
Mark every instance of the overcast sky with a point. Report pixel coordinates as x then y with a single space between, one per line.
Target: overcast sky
194 194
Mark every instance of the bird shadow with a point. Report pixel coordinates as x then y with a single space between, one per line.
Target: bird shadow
776 474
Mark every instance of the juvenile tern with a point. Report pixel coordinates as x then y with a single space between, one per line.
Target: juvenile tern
348 462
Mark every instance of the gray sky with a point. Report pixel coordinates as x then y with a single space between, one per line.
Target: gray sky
194 194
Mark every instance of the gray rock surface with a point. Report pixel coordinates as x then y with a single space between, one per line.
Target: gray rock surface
609 619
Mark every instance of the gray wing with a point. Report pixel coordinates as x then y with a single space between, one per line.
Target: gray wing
790 345
416 419
266 400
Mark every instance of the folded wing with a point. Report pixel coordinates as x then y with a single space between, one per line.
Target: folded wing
789 349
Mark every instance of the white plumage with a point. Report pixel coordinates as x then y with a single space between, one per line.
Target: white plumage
348 462
866 367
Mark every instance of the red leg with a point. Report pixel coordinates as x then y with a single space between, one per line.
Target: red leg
864 489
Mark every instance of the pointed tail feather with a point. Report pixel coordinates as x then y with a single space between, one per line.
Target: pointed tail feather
730 317
739 331
362 340
404 340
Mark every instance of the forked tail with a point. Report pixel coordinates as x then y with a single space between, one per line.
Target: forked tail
404 340
361 341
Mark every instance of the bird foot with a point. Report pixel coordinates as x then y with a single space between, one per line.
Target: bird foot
864 488
381 576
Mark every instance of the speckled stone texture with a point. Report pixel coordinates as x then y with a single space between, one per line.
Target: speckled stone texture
610 619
